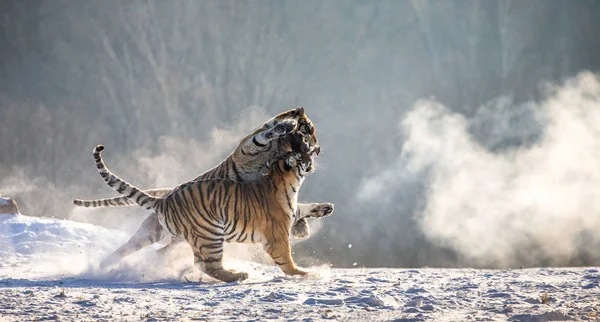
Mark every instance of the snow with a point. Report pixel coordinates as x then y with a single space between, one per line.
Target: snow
47 271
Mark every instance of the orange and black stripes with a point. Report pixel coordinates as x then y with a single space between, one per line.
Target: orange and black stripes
246 163
209 212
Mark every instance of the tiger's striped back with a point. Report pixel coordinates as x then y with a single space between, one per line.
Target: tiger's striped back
240 211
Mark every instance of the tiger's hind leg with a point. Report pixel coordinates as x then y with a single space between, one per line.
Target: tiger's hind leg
208 257
300 229
149 233
168 247
280 251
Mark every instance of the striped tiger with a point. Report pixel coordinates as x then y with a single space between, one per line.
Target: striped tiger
207 213
268 142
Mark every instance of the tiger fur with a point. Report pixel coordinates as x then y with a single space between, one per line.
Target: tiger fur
266 143
207 213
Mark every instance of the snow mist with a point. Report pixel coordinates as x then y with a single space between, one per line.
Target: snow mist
505 205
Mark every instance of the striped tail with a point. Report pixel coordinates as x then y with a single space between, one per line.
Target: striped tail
119 201
133 193
108 202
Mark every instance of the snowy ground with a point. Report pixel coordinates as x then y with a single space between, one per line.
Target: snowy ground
47 272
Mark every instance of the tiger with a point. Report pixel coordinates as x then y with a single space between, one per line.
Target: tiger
266 143
207 213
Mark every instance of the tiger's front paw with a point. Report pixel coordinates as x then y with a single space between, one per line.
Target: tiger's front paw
284 128
321 210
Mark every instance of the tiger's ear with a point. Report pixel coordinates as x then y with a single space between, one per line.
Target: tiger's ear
299 111
293 113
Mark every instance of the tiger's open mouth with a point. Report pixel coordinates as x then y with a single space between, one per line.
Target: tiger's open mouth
307 157
312 152
299 144
315 150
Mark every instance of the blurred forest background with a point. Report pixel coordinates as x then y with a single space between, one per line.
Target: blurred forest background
171 86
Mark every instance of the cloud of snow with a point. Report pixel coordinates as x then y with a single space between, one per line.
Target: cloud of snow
496 203
40 248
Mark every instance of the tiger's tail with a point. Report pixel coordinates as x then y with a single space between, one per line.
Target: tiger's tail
108 202
119 201
121 186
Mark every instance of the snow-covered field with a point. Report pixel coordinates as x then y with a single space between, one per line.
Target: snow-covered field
48 272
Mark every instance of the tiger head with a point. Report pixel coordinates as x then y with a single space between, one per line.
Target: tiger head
304 138
301 139
290 161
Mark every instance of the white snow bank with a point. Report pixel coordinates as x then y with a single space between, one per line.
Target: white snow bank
49 247
38 248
